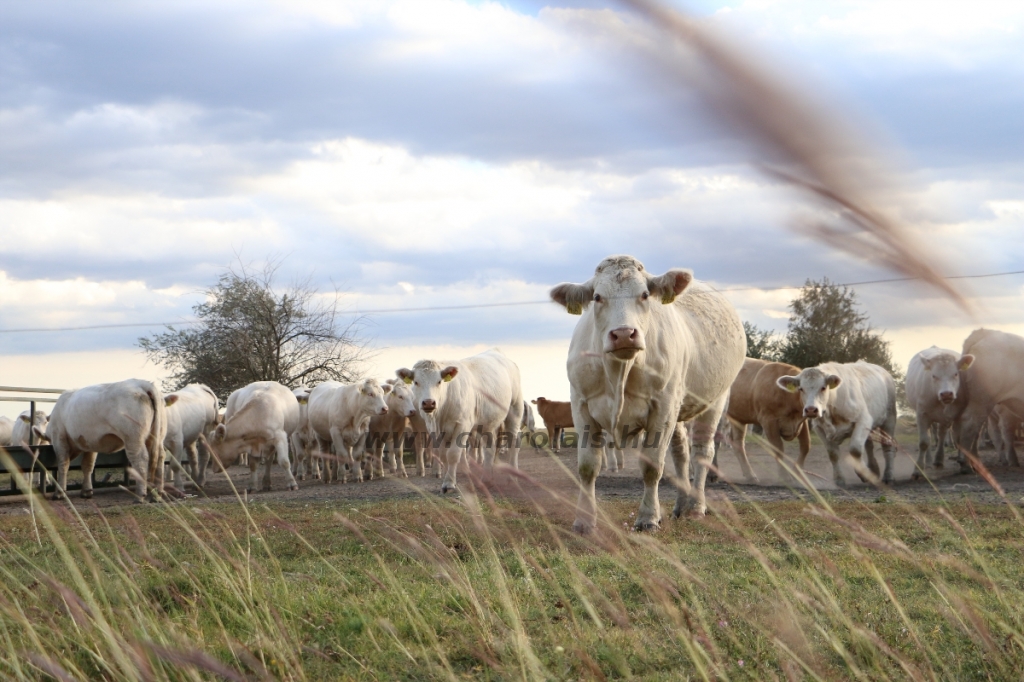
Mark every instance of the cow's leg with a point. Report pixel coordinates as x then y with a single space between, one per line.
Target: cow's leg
298 460
552 443
858 446
703 450
773 434
924 429
203 462
419 445
88 464
513 423
588 465
608 458
738 435
941 433
281 450
971 422
1007 425
254 464
175 454
832 447
65 454
679 446
452 455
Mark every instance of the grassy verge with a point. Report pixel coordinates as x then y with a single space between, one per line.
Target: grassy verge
436 589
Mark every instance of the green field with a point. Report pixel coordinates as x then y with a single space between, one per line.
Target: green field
434 588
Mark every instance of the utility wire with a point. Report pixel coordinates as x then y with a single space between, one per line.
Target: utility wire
384 311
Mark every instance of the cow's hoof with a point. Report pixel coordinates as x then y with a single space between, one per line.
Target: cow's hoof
887 480
86 494
940 465
294 486
712 477
448 488
646 526
753 480
582 527
916 476
251 491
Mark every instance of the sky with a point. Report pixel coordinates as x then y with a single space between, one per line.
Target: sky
431 153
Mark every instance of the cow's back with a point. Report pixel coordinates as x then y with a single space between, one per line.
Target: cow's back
262 406
866 385
997 373
742 403
102 417
490 385
718 346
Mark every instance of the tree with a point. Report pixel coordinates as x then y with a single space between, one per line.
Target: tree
248 331
826 326
762 344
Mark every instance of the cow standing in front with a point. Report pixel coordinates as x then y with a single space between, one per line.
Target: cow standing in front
849 401
469 401
258 421
105 418
938 396
649 353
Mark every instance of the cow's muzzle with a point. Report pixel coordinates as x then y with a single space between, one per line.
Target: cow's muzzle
624 342
383 411
811 412
947 397
428 406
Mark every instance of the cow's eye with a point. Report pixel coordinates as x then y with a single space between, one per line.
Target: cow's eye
597 298
644 296
823 389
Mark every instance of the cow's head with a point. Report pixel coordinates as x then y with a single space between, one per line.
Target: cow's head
428 380
813 386
943 371
401 400
372 396
622 293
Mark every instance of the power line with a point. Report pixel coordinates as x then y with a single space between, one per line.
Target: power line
471 306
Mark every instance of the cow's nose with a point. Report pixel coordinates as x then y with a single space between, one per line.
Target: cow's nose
384 410
946 396
624 337
811 412
429 405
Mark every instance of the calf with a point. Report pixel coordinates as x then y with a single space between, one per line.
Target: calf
191 412
557 416
936 393
756 399
105 418
339 416
849 401
468 401
258 421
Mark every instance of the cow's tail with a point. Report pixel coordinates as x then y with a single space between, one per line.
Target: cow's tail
156 435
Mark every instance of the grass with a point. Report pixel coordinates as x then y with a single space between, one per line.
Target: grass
433 588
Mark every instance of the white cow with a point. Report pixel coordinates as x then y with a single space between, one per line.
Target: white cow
467 402
258 421
23 426
996 377
649 353
6 431
191 412
389 429
105 418
339 415
849 401
303 441
933 389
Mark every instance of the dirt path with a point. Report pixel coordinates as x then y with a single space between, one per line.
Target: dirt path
542 469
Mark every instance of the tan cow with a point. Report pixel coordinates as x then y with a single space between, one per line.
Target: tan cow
557 416
388 430
756 399
995 378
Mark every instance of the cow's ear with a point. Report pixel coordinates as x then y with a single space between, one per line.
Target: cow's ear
448 373
386 388
574 297
534 402
303 399
670 285
220 433
833 381
170 400
926 363
965 361
404 374
791 384
25 418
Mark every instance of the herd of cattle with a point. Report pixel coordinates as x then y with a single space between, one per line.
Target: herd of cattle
656 363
